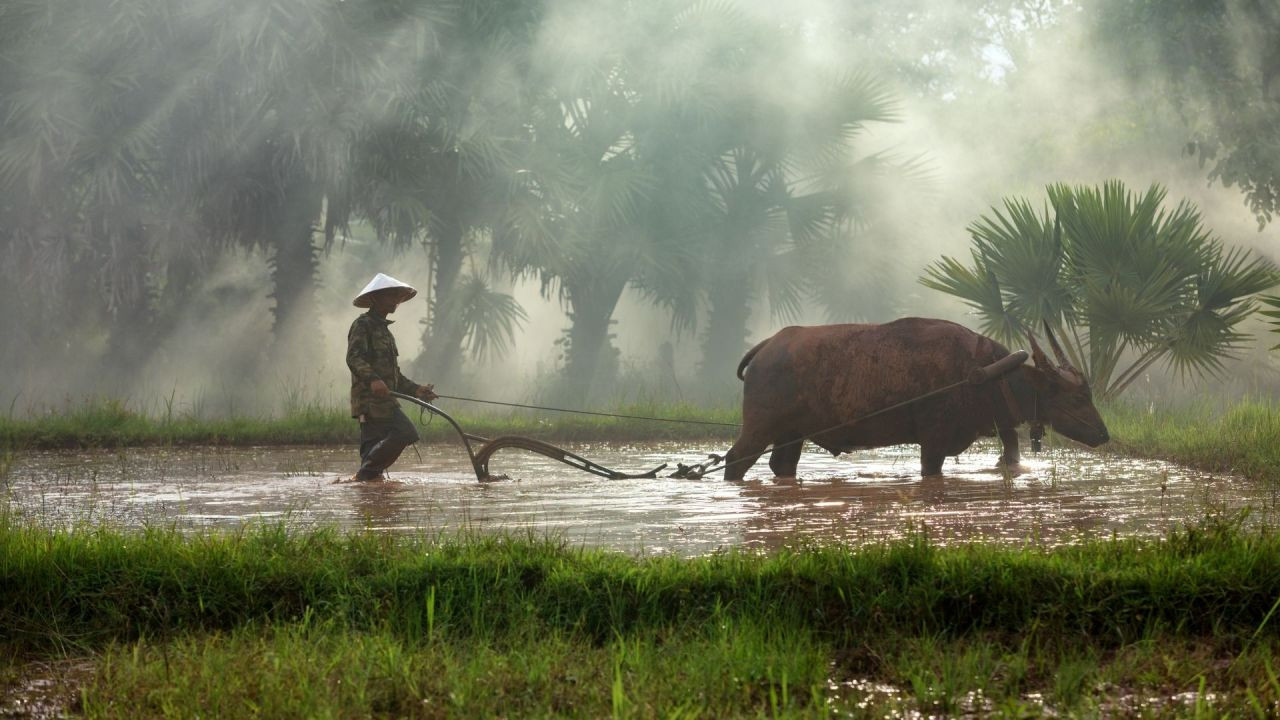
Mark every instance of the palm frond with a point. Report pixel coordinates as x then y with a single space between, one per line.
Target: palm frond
488 319
1272 312
979 288
1115 271
1229 278
1023 249
784 288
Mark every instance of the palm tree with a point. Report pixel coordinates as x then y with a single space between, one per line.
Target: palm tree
438 167
781 183
577 218
629 137
682 167
1120 278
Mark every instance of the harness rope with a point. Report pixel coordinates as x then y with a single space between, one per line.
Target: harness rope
591 412
696 472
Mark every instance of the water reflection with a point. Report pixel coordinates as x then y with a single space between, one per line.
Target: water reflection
1059 496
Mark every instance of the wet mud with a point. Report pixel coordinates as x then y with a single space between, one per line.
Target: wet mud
43 690
1059 496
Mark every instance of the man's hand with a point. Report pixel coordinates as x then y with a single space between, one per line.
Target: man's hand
427 392
380 389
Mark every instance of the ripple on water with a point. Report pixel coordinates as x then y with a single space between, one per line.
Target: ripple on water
1058 496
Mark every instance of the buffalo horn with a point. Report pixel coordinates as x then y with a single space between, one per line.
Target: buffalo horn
1057 349
999 368
1037 354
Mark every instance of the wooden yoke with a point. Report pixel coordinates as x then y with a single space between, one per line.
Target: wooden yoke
999 368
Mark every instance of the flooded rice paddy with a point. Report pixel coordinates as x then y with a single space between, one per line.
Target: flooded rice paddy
1061 495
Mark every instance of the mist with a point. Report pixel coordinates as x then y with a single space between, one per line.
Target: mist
191 194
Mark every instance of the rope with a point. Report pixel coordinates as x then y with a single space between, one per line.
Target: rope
590 412
868 416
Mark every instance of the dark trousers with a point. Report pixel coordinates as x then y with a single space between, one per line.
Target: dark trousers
382 440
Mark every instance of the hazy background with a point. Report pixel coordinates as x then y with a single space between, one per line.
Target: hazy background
194 193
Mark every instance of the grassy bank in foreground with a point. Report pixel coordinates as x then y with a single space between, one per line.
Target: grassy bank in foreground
317 623
113 424
1243 438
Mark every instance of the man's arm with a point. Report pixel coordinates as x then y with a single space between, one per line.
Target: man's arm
405 385
357 344
409 387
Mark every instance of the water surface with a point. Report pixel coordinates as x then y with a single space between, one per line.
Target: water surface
1061 495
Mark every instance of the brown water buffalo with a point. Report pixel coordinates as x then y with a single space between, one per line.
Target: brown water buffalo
805 380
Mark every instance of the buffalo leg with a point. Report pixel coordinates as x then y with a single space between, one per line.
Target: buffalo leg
744 453
1009 439
931 460
785 457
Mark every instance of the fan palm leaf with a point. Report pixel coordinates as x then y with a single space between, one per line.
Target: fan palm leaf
1115 270
1271 311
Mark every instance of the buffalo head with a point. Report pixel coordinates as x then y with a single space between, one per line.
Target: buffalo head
1063 397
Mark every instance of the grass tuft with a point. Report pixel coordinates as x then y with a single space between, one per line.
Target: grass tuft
1243 438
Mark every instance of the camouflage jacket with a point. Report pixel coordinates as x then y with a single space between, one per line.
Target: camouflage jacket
371 355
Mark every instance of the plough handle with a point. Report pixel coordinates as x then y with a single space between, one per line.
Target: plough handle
466 438
480 457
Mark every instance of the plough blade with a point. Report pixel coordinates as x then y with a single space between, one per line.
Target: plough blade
481 460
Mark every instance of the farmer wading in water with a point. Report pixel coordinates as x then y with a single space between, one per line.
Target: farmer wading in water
385 431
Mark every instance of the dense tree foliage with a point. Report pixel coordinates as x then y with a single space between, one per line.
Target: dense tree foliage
709 156
1219 61
174 131
90 205
945 49
140 139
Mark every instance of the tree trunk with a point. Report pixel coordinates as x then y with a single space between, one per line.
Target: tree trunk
293 271
725 340
452 201
591 360
130 342
442 335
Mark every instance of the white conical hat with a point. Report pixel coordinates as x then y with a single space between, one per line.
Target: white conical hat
382 282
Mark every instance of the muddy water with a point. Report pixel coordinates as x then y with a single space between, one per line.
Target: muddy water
1058 496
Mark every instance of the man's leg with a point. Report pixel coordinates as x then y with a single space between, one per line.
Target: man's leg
372 432
382 441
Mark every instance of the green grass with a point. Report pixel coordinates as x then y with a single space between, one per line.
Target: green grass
1243 438
315 623
316 670
110 423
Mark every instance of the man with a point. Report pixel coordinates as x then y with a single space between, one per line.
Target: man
385 431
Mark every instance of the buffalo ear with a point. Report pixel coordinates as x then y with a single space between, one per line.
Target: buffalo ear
1043 378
